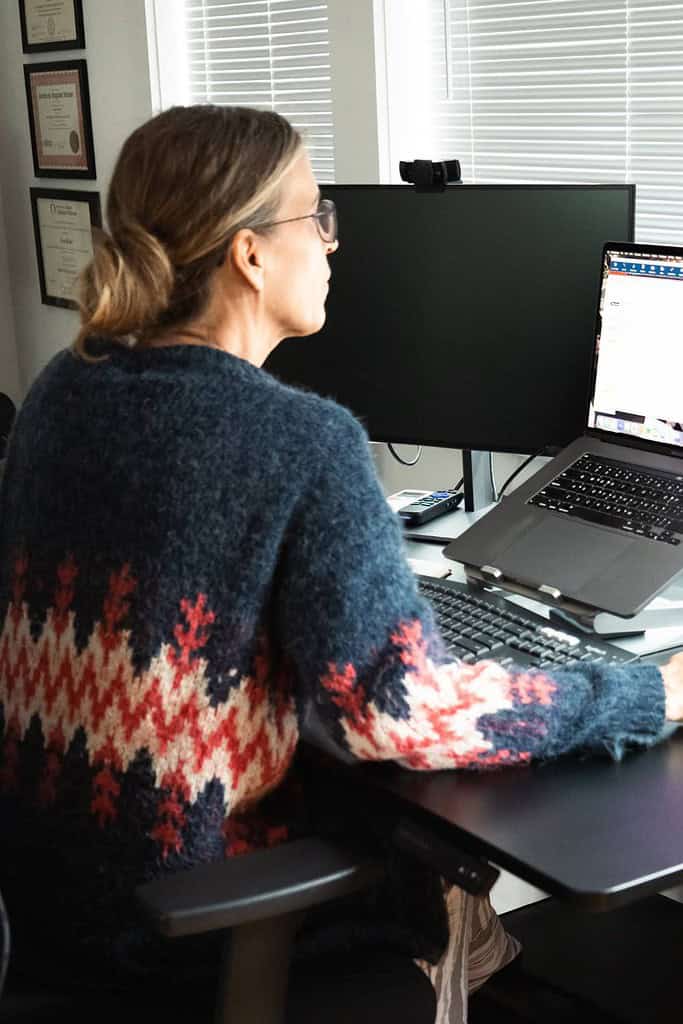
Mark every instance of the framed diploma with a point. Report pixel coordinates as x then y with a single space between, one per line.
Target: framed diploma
51 25
59 118
63 221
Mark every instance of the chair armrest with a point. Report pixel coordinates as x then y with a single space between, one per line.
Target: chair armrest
255 886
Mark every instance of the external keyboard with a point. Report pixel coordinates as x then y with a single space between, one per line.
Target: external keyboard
620 495
481 625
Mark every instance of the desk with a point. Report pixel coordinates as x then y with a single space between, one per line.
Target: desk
598 832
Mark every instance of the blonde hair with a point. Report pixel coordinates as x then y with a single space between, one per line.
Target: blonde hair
184 184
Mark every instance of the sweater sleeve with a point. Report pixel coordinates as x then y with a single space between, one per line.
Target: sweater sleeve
372 670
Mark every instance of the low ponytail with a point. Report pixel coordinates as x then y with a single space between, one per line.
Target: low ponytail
125 288
183 184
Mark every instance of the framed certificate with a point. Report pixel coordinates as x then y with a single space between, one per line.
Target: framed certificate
63 221
59 118
51 25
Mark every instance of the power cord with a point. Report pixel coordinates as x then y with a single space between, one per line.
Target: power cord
519 470
494 492
404 462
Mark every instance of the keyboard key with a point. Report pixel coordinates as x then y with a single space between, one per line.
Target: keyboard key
619 496
509 636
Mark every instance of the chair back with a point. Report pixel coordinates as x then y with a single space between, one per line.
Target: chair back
7 413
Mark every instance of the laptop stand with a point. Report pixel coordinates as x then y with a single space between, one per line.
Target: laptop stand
664 611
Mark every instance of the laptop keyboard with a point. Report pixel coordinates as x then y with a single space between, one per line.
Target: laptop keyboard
483 625
620 495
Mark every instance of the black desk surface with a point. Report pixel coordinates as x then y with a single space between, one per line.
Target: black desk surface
598 832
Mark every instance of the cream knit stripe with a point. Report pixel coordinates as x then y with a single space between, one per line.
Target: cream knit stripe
167 714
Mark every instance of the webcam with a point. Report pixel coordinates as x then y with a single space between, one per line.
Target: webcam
430 174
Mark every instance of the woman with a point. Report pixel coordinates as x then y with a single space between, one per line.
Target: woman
181 588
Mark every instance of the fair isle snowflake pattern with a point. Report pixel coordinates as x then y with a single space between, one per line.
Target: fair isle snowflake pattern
246 742
446 703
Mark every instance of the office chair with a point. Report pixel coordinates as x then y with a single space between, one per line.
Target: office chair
260 899
7 414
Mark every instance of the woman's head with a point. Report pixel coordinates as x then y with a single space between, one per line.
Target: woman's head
291 257
184 184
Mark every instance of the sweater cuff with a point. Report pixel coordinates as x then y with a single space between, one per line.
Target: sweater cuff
643 711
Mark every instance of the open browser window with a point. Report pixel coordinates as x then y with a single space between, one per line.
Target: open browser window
638 382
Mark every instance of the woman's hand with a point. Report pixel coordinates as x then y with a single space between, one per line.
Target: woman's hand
672 674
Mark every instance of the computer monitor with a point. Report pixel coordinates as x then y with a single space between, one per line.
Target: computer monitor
463 318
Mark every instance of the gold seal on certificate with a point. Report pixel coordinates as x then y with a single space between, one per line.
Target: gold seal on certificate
51 25
59 116
63 221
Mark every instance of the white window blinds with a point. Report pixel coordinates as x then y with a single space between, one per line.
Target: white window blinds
561 91
273 54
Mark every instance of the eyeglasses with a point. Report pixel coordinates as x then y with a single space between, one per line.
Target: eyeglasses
325 218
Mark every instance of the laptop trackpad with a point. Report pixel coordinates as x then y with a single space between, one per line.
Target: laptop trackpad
561 553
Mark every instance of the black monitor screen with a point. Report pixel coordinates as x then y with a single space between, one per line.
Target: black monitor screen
463 318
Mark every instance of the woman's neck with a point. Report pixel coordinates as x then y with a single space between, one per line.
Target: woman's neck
181 336
245 345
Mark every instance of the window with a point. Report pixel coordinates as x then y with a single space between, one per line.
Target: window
551 90
272 54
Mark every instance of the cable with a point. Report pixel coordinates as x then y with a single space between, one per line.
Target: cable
459 484
398 458
494 492
519 470
4 943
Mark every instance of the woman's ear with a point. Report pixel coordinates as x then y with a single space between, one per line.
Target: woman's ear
246 254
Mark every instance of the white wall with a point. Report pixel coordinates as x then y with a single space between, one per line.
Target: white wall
118 74
354 91
9 367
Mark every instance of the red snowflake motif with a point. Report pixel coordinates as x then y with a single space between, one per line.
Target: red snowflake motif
171 816
116 606
191 639
242 835
67 571
106 789
54 759
237 837
350 696
20 571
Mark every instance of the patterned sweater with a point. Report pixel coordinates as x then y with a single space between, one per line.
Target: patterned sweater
196 564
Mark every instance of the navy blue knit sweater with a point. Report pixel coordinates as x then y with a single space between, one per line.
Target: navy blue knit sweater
194 559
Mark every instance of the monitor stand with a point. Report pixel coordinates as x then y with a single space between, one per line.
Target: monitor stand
479 493
477 471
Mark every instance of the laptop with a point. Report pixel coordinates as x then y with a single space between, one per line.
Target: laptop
601 524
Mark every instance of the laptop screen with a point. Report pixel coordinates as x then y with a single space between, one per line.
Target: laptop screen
638 377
